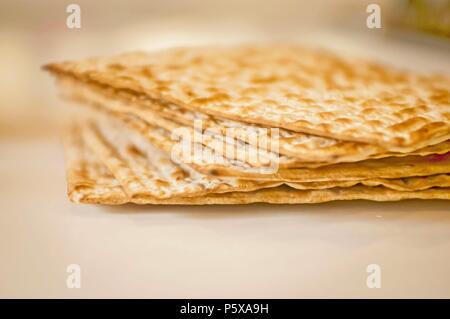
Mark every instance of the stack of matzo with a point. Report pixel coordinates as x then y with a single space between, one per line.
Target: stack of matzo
343 128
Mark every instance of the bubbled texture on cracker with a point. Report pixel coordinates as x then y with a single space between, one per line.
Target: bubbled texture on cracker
286 86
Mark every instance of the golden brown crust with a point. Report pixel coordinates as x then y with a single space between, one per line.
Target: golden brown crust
302 90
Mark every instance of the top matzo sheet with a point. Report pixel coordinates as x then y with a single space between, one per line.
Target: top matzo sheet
291 87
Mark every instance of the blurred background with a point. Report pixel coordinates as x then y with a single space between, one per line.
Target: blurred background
34 32
167 252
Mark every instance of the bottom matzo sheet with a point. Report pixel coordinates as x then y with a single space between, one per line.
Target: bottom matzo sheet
90 181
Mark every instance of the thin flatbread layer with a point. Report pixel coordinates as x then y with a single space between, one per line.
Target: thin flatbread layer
216 142
392 167
334 153
286 86
89 181
143 170
400 184
293 147
138 164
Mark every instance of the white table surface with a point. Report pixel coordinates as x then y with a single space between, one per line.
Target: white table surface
221 251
